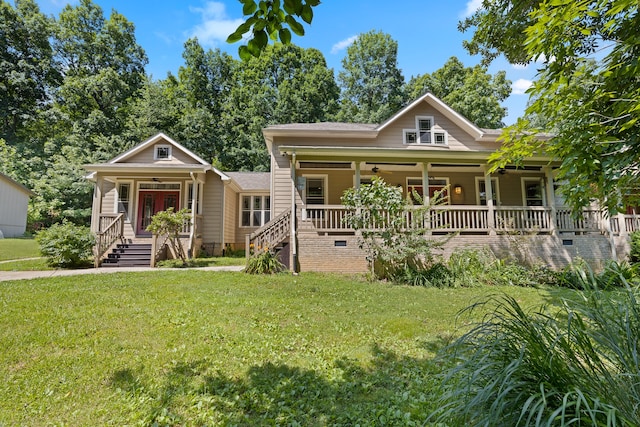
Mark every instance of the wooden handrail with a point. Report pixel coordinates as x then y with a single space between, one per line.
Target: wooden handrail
106 237
271 234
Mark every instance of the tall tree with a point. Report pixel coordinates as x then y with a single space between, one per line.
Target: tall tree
471 91
27 71
588 89
285 84
103 69
371 81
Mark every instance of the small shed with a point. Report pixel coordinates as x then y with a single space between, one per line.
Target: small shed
14 199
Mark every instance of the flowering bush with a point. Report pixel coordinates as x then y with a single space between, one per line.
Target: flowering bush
263 261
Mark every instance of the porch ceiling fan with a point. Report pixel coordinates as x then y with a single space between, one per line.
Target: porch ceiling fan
376 169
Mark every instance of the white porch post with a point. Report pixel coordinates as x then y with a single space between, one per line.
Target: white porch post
357 183
426 200
551 199
194 204
293 260
425 184
96 208
488 188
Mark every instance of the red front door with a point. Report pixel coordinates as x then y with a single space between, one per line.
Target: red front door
151 202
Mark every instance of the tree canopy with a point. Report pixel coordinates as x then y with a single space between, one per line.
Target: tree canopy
587 90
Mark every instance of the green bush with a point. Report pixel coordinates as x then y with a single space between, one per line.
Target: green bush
634 254
575 365
437 275
579 275
66 245
264 262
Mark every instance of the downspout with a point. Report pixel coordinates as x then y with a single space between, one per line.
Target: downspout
293 238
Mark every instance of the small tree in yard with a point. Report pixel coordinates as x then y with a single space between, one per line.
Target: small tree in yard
171 223
392 230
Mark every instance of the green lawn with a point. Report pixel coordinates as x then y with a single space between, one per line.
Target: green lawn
213 348
18 248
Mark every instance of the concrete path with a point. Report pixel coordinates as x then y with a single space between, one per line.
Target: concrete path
22 275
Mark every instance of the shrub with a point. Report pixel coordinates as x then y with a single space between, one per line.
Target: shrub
634 254
580 275
264 262
437 275
66 245
171 223
575 366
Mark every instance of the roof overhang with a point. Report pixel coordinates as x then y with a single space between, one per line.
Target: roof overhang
410 154
142 169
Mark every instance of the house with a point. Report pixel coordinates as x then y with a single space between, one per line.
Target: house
159 173
426 148
14 199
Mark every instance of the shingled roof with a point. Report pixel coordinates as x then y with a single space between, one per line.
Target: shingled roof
251 181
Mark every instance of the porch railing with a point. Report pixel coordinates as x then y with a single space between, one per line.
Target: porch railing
111 229
475 219
271 234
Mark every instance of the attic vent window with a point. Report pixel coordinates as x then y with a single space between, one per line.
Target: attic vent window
162 152
425 132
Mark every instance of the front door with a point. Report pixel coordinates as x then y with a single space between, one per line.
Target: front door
152 202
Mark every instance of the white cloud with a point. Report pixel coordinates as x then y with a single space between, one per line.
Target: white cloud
520 86
472 6
343 44
520 66
216 25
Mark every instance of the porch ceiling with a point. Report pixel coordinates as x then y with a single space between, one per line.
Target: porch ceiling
409 154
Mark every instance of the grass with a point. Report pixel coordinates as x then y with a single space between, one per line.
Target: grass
203 262
212 348
25 265
18 248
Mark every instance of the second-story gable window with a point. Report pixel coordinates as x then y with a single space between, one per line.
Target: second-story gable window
425 132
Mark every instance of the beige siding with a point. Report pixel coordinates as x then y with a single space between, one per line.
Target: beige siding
146 156
13 210
230 216
109 198
212 211
281 176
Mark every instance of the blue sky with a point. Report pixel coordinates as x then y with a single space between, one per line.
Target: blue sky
426 32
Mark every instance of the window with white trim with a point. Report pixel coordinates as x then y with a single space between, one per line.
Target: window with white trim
255 211
124 199
190 197
425 132
481 191
533 192
162 152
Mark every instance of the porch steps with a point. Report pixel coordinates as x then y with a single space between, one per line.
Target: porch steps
129 255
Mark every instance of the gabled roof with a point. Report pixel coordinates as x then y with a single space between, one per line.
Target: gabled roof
443 108
16 185
154 139
199 165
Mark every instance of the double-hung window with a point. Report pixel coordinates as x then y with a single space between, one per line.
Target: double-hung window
124 197
425 132
256 211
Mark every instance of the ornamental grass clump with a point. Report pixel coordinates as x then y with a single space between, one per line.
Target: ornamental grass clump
264 261
576 365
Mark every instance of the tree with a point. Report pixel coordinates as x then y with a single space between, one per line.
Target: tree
27 68
371 81
171 223
285 84
393 240
587 90
269 20
471 91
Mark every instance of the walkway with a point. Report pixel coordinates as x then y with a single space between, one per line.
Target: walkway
22 275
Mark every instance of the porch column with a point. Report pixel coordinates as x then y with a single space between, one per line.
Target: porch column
96 208
551 199
293 260
425 184
426 200
194 200
357 184
488 187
